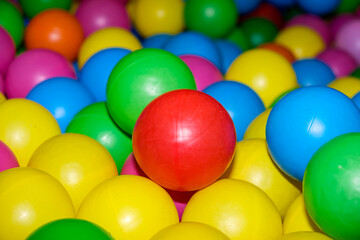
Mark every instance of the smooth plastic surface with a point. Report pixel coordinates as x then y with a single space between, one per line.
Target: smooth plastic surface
96 71
63 97
305 236
313 72
156 41
259 31
280 49
245 6
139 78
23 131
33 7
94 121
129 207
274 77
252 163
340 62
256 128
29 199
331 187
348 39
180 134
33 67
11 20
347 85
305 119
237 208
228 53
7 49
319 7
240 101
8 159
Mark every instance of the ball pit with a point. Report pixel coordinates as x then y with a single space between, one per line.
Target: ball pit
63 97
33 67
55 30
252 60
201 134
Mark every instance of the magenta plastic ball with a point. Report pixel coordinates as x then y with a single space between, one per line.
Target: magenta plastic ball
131 167
340 62
97 14
313 22
2 83
204 71
348 39
33 67
7 158
7 50
338 22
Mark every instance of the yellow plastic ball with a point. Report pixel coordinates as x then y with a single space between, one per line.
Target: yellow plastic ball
129 207
302 41
159 16
349 86
252 163
30 198
190 231
305 236
2 97
79 162
25 125
257 127
237 208
107 38
130 8
266 72
297 219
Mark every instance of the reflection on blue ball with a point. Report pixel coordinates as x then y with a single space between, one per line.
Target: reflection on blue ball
304 120
319 7
313 72
240 101
194 43
63 97
96 71
228 52
156 41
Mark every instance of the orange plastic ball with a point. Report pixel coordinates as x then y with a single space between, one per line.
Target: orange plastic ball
283 51
56 30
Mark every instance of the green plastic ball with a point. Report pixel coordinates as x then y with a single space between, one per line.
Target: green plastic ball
356 73
70 229
139 78
259 31
214 18
348 6
94 121
33 7
240 38
332 187
11 20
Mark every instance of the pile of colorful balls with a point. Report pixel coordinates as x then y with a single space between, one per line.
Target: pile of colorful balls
174 119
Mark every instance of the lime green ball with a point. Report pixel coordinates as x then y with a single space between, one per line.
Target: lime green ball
240 38
33 7
332 187
11 20
139 78
259 31
347 6
70 229
214 18
94 121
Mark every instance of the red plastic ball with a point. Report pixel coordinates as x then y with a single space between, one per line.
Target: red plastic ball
184 140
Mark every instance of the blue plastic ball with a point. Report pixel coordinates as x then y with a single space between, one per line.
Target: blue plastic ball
228 52
356 99
194 43
319 7
246 6
282 3
63 97
77 70
96 71
240 101
156 41
313 72
304 120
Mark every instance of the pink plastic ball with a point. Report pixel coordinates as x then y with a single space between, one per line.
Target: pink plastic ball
33 67
131 167
2 87
338 22
7 158
97 14
7 50
204 71
313 22
348 39
341 63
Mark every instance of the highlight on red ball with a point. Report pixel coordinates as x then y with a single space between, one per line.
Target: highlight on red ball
184 140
